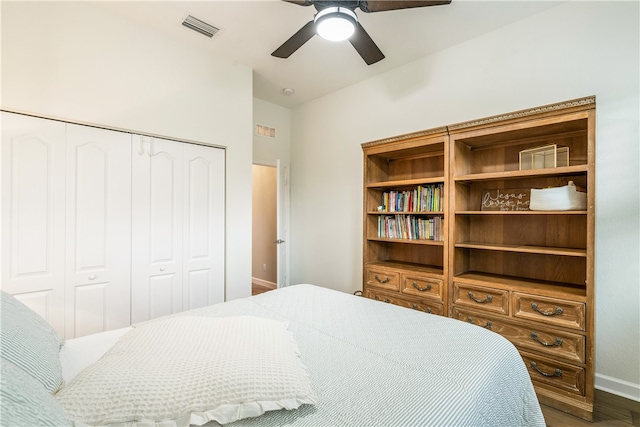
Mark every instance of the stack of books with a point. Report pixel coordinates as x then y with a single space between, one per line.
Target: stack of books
410 227
429 198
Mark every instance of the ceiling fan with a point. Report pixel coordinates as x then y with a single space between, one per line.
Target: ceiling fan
337 20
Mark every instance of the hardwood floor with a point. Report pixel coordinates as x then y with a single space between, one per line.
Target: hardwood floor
609 411
259 289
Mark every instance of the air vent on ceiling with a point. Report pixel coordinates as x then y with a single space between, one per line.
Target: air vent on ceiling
200 26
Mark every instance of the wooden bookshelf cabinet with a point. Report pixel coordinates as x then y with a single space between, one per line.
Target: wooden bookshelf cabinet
406 268
527 275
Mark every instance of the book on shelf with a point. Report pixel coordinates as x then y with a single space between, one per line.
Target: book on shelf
410 227
428 198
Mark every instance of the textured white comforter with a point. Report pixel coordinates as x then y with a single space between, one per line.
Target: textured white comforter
375 364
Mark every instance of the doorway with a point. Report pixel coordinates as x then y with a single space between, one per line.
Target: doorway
264 265
270 226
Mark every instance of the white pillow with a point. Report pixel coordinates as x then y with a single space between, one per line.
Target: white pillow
191 370
24 402
29 342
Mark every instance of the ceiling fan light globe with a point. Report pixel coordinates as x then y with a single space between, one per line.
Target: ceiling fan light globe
335 23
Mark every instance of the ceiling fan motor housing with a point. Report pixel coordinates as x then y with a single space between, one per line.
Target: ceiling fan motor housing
348 4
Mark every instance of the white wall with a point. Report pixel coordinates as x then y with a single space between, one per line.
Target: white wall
574 50
74 61
267 151
274 152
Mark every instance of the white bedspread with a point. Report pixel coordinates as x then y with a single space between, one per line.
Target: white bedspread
375 364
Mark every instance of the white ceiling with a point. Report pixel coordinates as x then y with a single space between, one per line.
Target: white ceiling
251 30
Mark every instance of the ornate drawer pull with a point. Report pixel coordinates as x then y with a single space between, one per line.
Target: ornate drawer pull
487 326
489 298
382 281
534 336
557 373
557 311
415 285
426 310
377 297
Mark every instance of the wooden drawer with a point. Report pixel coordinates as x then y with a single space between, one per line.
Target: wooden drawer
548 373
381 296
384 279
494 300
570 314
422 287
565 345
424 306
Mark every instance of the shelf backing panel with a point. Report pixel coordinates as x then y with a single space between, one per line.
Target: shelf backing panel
548 268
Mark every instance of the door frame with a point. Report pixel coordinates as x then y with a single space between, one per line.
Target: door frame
283 219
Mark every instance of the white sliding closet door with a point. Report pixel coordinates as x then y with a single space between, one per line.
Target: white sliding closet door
204 207
33 209
102 228
98 255
178 227
157 228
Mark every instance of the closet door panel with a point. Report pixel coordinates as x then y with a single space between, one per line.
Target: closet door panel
204 173
91 315
157 228
98 261
33 209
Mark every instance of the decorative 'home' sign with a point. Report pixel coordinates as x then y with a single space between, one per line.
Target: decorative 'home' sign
506 199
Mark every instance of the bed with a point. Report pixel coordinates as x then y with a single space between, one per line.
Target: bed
357 362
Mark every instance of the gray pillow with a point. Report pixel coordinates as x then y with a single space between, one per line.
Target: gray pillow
29 342
24 402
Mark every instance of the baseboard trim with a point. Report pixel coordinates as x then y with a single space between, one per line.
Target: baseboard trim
264 283
618 387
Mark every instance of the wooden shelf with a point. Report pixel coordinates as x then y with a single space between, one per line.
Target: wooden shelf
398 166
401 183
534 173
408 241
521 212
420 268
427 213
543 250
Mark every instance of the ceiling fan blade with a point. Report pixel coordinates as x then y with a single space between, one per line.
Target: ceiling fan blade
294 42
300 2
365 46
383 5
